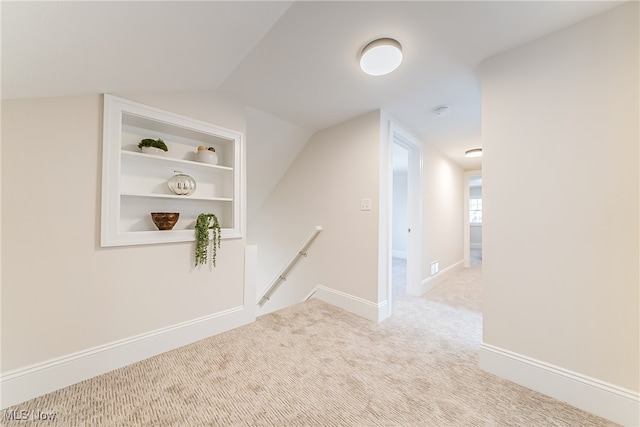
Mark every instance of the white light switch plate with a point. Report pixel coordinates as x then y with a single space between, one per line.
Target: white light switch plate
365 204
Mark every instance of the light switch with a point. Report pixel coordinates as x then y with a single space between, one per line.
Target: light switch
365 204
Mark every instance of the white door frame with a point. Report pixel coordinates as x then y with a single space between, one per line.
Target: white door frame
467 230
399 136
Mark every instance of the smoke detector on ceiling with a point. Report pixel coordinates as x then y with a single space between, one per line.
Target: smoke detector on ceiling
442 110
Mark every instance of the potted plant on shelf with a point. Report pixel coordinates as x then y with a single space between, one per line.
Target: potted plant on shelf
204 223
153 146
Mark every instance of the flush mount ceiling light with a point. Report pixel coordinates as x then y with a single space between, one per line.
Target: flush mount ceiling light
476 152
381 56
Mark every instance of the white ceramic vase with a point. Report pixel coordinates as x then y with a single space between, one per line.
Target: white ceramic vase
207 156
153 150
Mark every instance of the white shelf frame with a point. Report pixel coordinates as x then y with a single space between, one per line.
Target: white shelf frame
113 195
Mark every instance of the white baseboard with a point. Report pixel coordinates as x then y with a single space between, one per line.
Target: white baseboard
441 276
356 305
26 383
32 381
589 394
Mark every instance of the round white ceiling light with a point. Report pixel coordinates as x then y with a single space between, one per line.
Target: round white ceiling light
381 56
476 152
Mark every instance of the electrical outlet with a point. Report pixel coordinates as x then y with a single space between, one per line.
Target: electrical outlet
434 268
365 204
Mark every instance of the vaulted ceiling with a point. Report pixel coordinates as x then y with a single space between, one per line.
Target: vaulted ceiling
294 60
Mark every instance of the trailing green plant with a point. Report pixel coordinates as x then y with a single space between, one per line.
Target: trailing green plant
204 223
158 143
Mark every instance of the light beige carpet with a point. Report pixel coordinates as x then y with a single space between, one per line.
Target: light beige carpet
316 365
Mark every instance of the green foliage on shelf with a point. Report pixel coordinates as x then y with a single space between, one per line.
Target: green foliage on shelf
204 223
158 143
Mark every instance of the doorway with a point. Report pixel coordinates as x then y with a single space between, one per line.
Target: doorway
400 226
406 214
473 218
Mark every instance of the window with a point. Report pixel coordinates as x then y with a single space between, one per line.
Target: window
475 211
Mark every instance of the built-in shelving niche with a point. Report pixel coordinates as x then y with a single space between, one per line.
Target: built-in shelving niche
135 184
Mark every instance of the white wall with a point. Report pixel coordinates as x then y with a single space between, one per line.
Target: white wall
61 292
324 185
561 194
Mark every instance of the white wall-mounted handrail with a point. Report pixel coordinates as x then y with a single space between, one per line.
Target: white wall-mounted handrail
282 276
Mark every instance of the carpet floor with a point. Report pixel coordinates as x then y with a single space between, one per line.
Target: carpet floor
313 364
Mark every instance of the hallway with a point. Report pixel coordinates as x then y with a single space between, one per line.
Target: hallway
399 272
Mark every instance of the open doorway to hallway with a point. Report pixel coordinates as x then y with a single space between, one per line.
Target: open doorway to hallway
404 221
400 227
473 218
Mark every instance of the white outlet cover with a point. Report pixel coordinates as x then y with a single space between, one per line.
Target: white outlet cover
434 267
365 204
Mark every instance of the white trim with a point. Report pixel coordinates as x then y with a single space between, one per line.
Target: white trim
41 378
356 305
476 246
432 281
115 109
385 209
589 394
400 136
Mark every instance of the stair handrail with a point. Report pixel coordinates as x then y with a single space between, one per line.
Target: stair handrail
281 276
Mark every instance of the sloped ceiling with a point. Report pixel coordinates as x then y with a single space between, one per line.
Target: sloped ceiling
297 61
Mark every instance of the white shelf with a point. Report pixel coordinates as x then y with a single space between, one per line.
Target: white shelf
135 184
176 197
155 158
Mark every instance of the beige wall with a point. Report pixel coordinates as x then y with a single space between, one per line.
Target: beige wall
62 292
338 167
443 209
273 145
324 185
561 194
